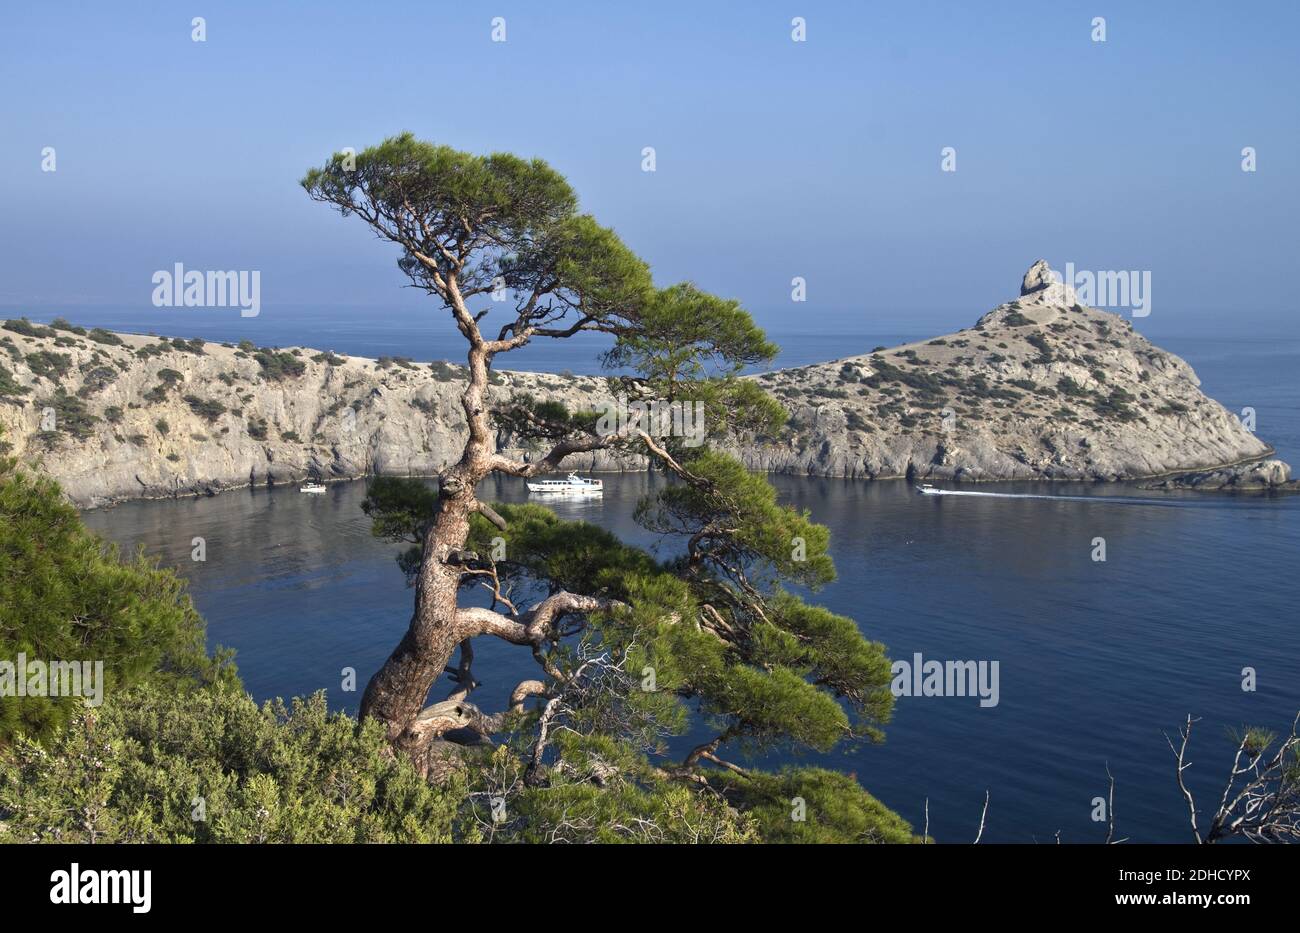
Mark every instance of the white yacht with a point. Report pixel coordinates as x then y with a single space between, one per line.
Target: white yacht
312 487
573 485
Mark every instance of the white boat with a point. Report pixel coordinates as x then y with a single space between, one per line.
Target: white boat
926 489
312 487
573 485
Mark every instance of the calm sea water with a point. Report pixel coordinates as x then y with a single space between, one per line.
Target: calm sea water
1096 660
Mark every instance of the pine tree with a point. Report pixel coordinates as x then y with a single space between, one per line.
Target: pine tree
630 649
66 596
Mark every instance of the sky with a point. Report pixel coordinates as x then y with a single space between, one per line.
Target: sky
774 159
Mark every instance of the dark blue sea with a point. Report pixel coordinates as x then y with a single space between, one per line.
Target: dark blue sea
1097 660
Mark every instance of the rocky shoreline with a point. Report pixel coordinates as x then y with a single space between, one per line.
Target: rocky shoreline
1255 476
1039 388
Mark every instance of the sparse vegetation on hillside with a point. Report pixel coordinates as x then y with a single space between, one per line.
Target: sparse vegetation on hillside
99 335
71 418
207 409
9 387
277 364
62 324
27 329
47 364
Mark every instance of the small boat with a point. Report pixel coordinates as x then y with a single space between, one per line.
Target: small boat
926 489
571 485
312 487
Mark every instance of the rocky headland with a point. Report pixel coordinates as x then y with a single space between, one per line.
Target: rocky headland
1040 387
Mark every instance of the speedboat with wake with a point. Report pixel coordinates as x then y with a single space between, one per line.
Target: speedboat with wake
926 489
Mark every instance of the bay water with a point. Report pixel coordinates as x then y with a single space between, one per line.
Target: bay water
1097 660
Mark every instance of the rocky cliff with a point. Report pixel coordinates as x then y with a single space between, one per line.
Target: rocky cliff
1039 388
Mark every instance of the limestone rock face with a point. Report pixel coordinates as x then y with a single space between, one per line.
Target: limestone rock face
176 422
1038 388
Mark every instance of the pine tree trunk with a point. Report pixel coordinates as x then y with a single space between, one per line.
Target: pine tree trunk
397 693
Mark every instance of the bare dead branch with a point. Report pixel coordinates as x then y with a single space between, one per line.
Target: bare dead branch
1261 798
1183 765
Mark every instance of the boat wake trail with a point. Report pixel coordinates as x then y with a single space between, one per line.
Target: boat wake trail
1125 500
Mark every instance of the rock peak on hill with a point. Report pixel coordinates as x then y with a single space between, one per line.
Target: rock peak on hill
1038 277
1040 387
1043 286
